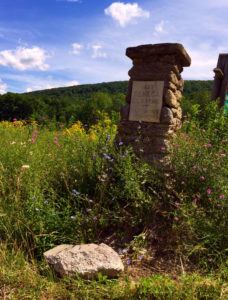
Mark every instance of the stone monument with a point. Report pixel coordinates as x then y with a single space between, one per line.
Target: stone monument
220 88
153 112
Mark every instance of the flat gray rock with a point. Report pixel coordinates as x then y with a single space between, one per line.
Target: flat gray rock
85 260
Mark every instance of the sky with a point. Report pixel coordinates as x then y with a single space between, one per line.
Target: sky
55 43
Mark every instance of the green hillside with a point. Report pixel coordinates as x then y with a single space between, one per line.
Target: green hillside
82 102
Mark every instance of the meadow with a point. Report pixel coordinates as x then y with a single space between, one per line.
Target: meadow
73 184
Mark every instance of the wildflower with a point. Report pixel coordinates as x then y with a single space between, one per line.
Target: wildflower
72 217
209 191
209 199
182 163
120 143
218 205
204 169
35 131
94 217
136 140
124 250
222 197
14 119
162 148
215 129
139 127
75 192
36 209
141 150
185 116
54 214
10 179
223 141
194 167
45 201
177 203
187 121
89 209
210 259
43 118
91 201
140 257
195 200
128 262
32 140
25 166
202 177
119 252
223 155
94 155
176 218
182 182
204 130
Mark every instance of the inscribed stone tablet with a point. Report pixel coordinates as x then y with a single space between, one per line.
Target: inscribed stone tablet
146 101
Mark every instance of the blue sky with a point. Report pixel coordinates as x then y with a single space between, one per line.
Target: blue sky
54 43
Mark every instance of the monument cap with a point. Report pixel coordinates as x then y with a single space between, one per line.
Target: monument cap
160 49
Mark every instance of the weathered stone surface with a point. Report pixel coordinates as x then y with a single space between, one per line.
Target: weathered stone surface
178 95
170 99
137 74
124 112
151 63
86 260
164 49
146 101
166 115
170 85
177 113
180 85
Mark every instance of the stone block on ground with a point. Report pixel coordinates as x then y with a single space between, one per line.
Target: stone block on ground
85 260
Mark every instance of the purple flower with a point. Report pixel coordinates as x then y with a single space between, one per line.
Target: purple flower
124 250
128 262
94 155
120 143
141 150
75 192
72 217
140 257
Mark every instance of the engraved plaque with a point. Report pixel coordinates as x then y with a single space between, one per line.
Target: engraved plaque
146 101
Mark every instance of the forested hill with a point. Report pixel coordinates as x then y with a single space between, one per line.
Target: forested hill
83 102
115 87
84 90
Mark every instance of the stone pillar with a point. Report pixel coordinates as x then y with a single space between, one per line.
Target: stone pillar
153 111
220 87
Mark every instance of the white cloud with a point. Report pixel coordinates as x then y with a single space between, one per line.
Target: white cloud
3 87
97 53
159 28
125 13
51 85
24 58
76 48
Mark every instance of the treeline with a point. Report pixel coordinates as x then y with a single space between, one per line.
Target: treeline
70 104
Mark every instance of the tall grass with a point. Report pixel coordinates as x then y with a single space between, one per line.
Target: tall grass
74 185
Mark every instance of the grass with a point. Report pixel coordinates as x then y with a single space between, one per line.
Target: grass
75 185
